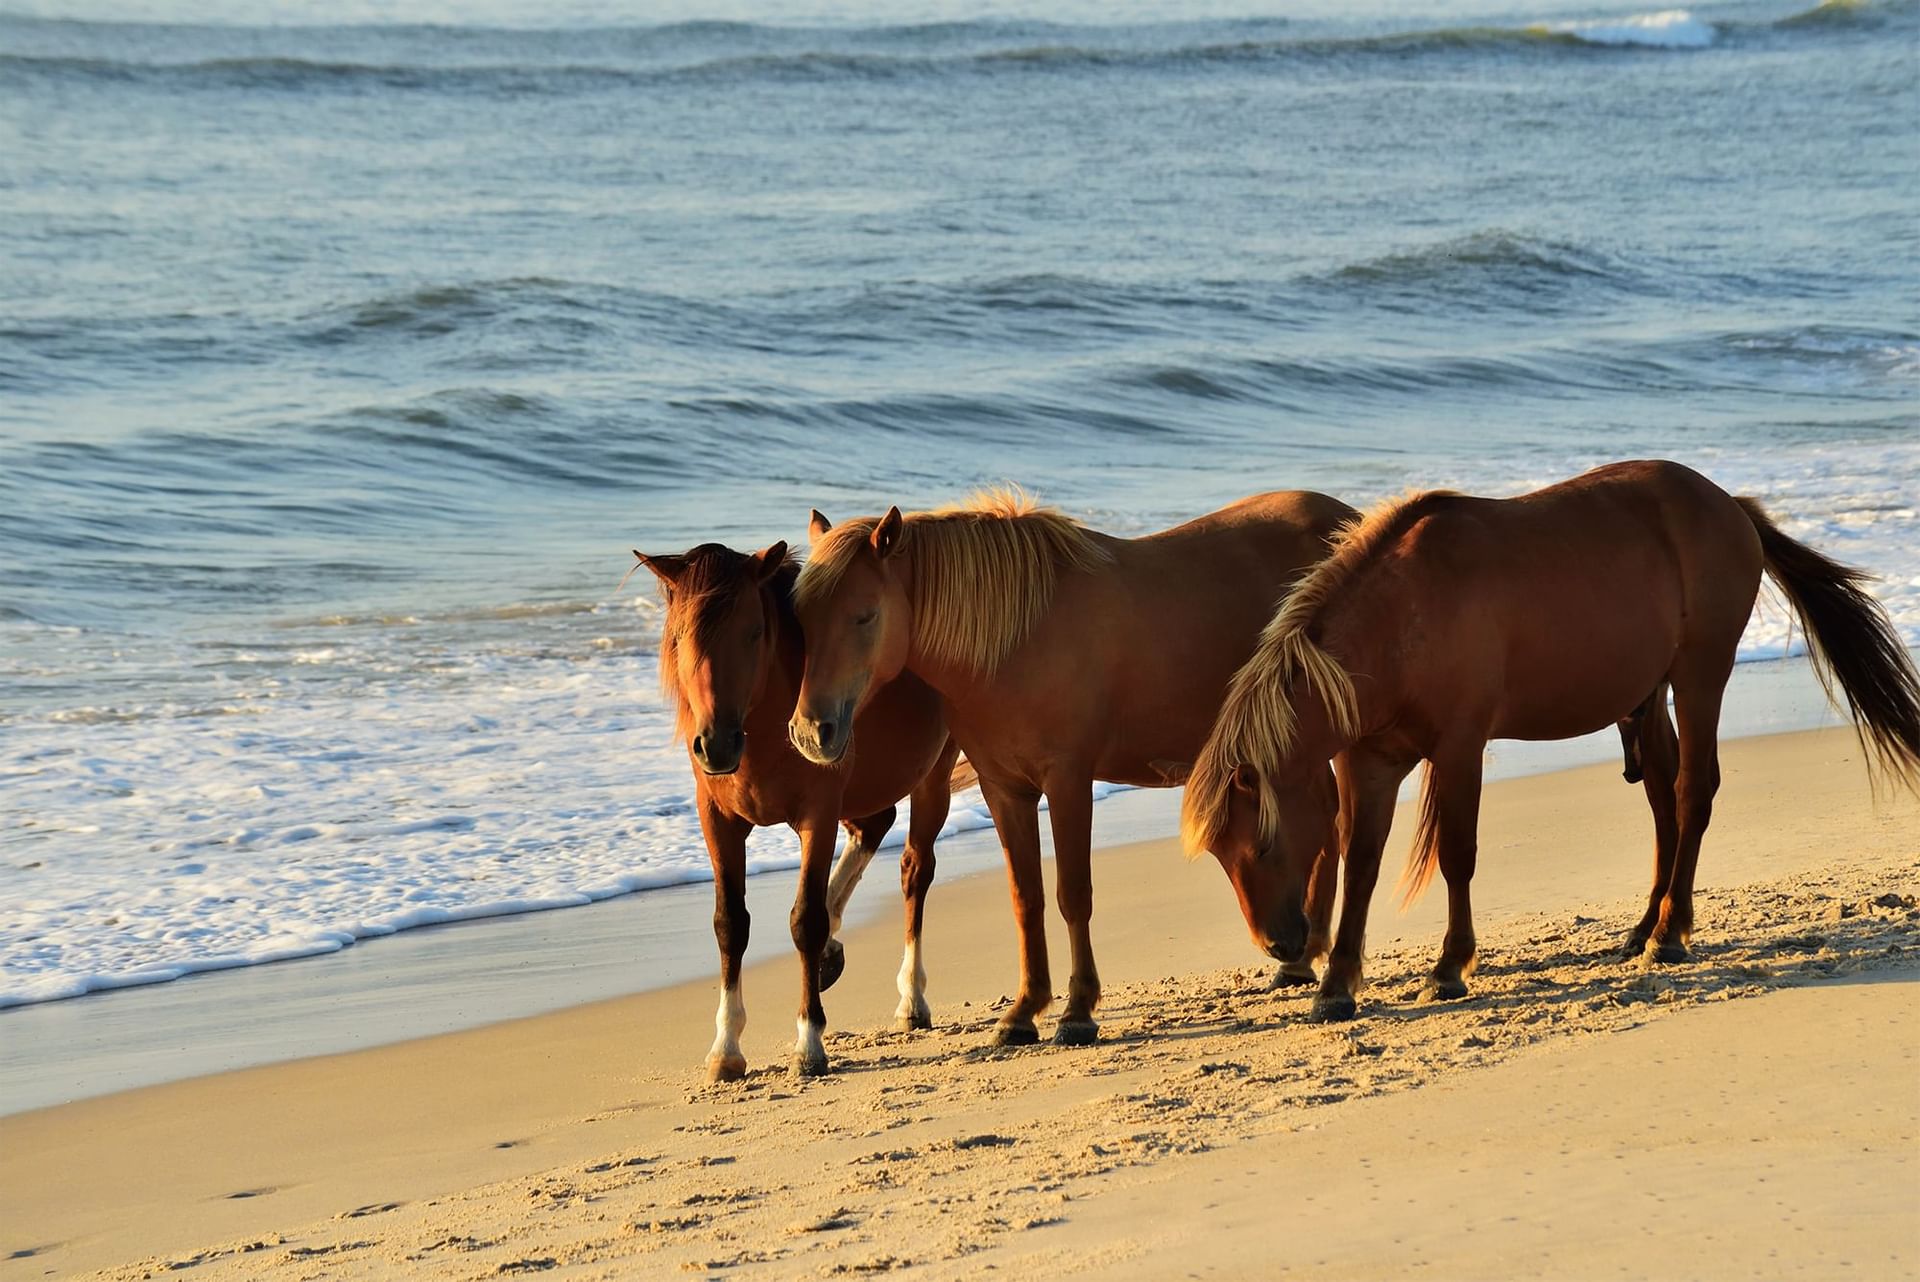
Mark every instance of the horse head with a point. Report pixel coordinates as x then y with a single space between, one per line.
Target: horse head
716 643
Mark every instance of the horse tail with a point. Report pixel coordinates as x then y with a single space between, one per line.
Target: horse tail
1425 855
964 776
1852 642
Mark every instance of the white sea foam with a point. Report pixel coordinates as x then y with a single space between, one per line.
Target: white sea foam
387 775
1667 29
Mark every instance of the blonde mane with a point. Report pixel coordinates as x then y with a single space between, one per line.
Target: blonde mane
702 597
1257 722
984 571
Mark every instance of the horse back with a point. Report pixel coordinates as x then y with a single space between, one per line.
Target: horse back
1554 613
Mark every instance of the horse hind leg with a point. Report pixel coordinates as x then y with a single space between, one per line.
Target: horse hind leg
863 838
1697 694
1456 820
1659 754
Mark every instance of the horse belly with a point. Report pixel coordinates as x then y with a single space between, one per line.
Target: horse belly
1579 690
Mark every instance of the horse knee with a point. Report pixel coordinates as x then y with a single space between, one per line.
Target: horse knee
916 871
809 927
730 922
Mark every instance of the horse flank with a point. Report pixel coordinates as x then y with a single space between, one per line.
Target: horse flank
705 594
984 571
1257 723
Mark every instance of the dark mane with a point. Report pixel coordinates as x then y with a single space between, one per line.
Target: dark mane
703 595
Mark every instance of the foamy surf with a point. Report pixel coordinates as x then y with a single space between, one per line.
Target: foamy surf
1667 29
342 793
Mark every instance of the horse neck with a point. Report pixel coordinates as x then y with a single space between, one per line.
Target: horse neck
1355 636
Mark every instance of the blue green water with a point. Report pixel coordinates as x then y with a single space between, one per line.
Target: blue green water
342 358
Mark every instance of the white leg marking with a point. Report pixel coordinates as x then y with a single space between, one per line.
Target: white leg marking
809 1052
847 871
729 1021
914 1011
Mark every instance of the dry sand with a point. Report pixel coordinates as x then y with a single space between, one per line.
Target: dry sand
1754 1113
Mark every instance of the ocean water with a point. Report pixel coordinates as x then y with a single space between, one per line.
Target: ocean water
346 348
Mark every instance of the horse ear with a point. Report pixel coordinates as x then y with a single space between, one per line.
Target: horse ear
768 563
1245 780
886 535
665 568
817 527
1172 773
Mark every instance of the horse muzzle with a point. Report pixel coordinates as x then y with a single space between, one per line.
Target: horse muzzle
822 740
717 749
1288 943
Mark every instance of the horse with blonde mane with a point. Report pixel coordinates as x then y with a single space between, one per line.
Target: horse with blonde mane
1062 656
731 657
1443 621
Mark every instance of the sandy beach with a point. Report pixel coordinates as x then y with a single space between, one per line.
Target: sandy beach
1755 1112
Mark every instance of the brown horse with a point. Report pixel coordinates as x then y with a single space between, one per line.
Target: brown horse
1443 621
1062 656
731 657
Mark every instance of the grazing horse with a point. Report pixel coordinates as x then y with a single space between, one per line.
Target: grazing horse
1443 621
731 657
1062 656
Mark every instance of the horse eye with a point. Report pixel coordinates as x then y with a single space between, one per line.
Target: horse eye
864 619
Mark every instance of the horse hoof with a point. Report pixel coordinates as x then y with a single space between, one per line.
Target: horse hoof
1334 1008
1293 977
1636 944
833 960
726 1068
1076 1032
1016 1035
918 1021
1670 952
1443 990
814 1065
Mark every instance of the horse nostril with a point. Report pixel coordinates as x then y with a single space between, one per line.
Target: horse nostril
699 747
826 733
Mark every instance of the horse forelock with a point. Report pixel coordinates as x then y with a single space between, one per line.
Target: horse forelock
703 596
1257 723
984 571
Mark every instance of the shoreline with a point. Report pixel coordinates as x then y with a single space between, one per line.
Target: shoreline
469 974
340 1141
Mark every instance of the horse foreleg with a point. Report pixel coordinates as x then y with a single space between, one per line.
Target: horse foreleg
1696 705
1456 818
863 838
931 801
1070 808
1016 815
1322 886
809 926
1369 784
727 849
1660 759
